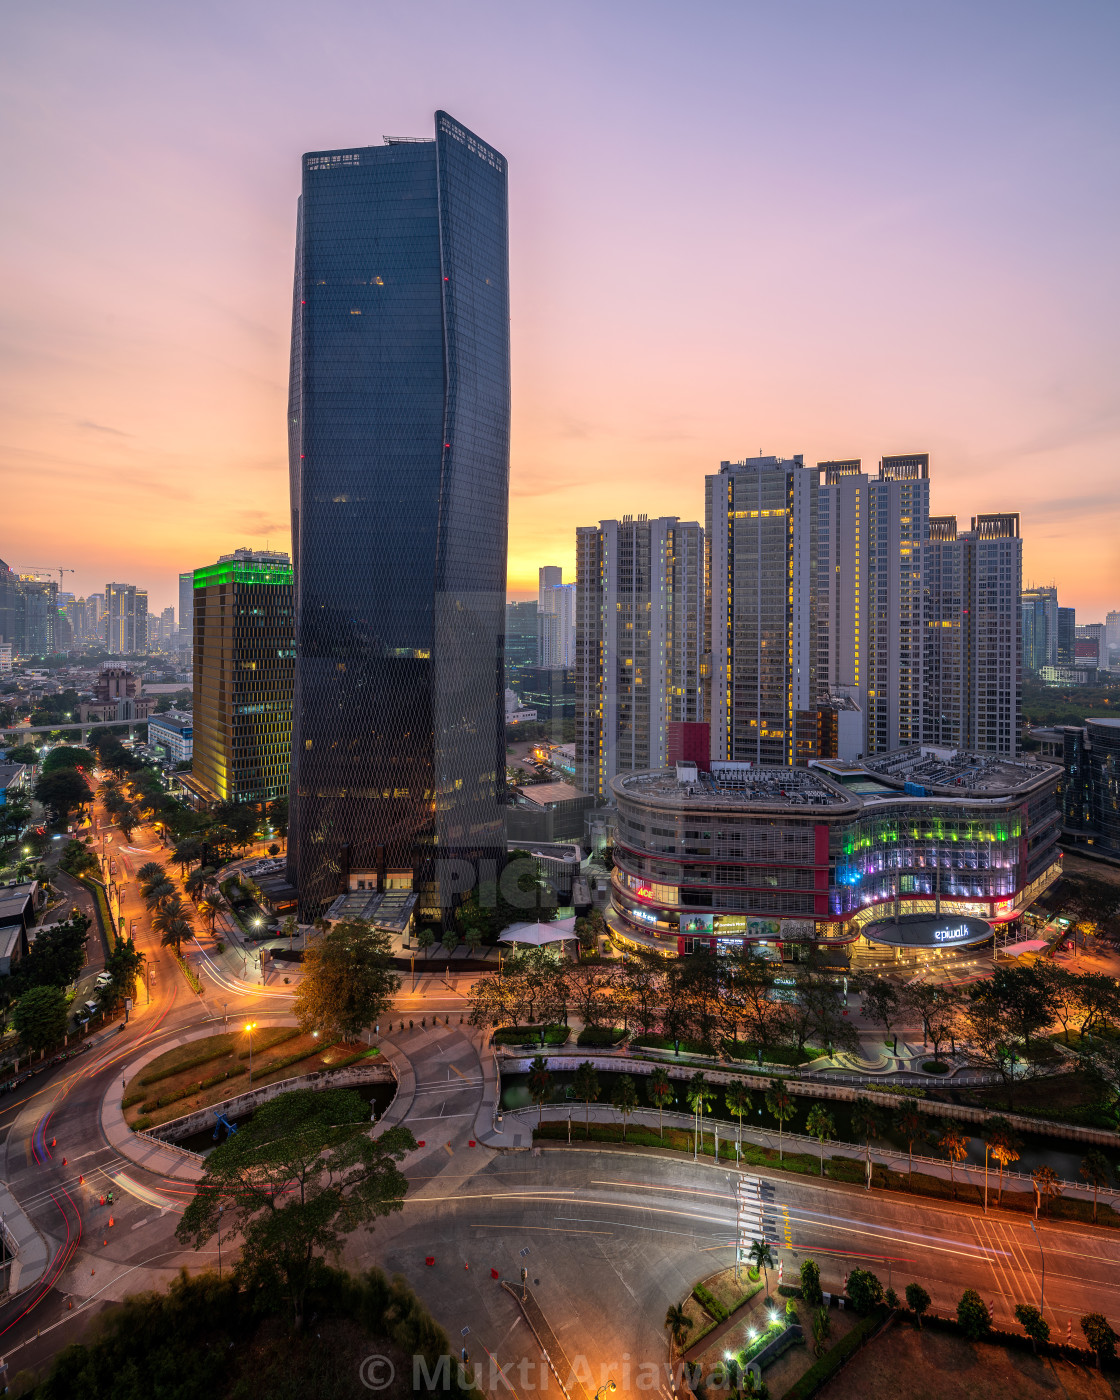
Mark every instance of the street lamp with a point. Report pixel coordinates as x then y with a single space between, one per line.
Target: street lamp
607 1389
250 1027
1038 1239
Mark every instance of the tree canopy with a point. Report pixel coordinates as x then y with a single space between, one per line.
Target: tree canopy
294 1180
348 982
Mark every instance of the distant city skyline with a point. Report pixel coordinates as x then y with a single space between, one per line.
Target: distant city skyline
887 263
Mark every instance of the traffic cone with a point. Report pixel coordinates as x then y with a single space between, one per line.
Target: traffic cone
110 1222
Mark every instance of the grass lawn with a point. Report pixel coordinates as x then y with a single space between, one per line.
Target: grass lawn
223 1073
935 1365
1070 1098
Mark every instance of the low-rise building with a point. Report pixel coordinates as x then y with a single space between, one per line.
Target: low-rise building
791 858
174 733
547 812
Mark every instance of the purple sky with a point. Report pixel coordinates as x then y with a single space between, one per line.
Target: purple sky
840 229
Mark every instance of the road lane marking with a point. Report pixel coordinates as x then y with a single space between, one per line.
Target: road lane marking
552 1229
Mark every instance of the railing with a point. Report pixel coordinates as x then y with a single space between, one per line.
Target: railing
728 1132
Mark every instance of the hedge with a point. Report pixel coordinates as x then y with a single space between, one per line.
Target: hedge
599 1035
204 1057
531 1035
710 1303
833 1359
101 903
184 1093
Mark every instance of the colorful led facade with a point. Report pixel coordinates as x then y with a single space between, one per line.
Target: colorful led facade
785 858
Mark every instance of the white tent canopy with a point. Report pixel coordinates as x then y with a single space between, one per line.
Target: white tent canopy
536 934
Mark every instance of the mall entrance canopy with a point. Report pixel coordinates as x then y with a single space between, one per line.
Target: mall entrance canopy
929 932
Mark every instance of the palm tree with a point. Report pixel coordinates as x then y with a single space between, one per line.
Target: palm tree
865 1123
954 1143
149 872
625 1099
1047 1183
172 928
425 938
585 1086
821 1125
909 1125
208 911
128 819
659 1091
1003 1145
473 939
779 1104
700 1095
679 1324
540 1085
159 892
762 1257
187 852
1096 1171
738 1099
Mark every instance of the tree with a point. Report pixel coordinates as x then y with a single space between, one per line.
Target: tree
1062 992
625 1099
585 1086
821 1125
1047 1184
77 859
424 939
881 1000
473 939
1098 1000
989 1045
173 928
1033 1324
540 1084
62 791
208 911
1096 1171
700 1095
779 1105
157 893
917 1300
865 1289
64 756
954 1143
973 1315
295 1180
125 964
450 940
738 1099
1100 1336
659 1091
489 1001
150 873
40 1017
762 1258
347 981
1003 1144
128 819
200 880
909 1125
867 1125
811 1283
187 852
819 993
678 1323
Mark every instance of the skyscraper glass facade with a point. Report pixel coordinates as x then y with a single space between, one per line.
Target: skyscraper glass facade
243 664
399 457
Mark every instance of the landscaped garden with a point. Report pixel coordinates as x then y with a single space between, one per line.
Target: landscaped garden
209 1071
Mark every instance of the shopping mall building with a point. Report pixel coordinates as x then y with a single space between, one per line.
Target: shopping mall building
790 857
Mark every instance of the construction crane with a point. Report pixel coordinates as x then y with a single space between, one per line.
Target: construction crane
43 569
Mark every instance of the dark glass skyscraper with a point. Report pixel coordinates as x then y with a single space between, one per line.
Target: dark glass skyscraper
399 455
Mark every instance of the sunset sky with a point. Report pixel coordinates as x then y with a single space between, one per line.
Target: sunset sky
840 229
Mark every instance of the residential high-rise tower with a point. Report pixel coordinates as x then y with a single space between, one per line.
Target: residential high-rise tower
399 455
761 578
639 643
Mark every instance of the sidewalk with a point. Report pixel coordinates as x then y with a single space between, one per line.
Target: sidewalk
32 1254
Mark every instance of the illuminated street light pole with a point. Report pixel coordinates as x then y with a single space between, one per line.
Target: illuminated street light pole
251 1027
